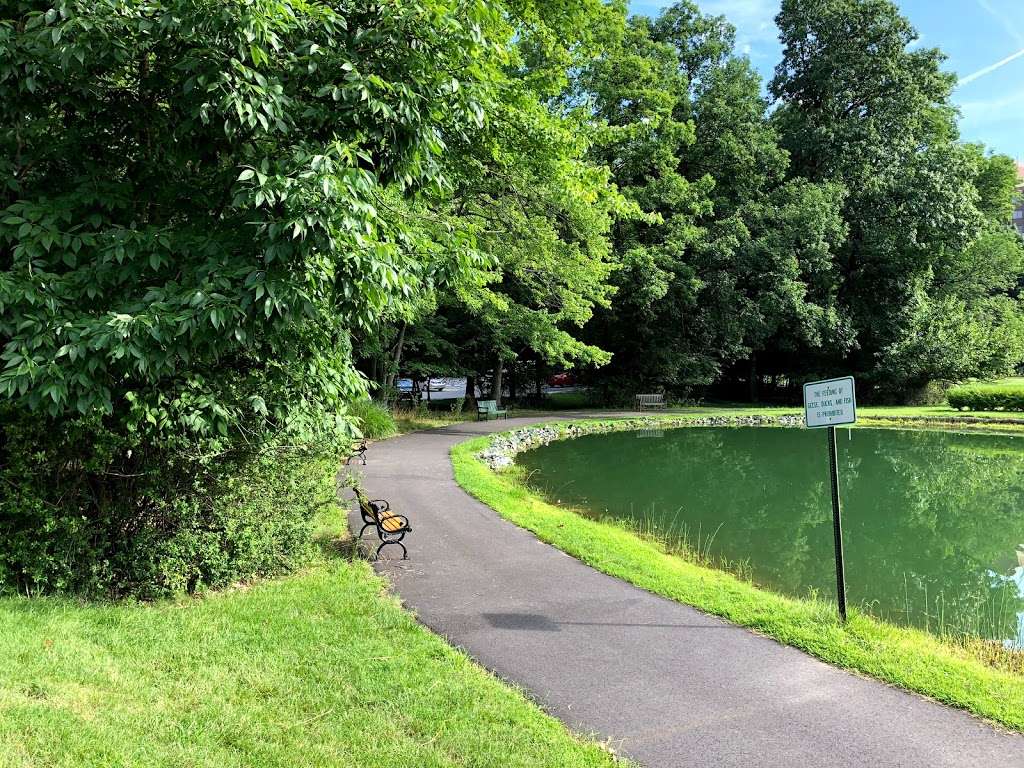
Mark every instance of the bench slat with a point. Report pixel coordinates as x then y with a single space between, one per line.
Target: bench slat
651 400
391 523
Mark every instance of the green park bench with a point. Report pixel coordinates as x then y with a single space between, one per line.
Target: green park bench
488 409
650 401
391 527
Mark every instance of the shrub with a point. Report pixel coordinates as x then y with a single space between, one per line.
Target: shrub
932 393
93 513
373 420
988 397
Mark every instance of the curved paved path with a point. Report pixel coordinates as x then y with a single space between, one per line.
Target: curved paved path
664 683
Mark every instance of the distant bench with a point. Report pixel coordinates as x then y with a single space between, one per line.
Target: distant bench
650 401
356 453
391 528
488 409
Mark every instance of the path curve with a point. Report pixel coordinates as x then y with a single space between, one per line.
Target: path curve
665 684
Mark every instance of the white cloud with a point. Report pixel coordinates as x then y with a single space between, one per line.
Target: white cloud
992 67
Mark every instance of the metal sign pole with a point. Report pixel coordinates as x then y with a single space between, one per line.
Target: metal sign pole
837 523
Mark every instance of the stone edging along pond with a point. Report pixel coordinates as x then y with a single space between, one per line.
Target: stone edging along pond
505 446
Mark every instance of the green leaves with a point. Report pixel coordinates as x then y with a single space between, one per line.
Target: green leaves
191 214
860 107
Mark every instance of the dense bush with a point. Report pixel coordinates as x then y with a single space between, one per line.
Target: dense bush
91 512
988 397
195 217
372 419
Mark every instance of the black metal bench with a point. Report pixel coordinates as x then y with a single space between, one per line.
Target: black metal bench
357 452
391 528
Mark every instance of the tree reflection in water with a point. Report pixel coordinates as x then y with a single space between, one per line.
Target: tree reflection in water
932 519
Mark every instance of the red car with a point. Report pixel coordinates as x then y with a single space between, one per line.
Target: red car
561 380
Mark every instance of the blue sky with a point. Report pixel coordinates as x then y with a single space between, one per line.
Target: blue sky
980 37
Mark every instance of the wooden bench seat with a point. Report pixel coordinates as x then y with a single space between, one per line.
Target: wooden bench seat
391 527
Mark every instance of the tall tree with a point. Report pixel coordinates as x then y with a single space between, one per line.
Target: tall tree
527 195
195 204
857 107
192 216
729 254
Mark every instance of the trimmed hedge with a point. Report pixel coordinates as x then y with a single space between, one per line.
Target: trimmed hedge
987 397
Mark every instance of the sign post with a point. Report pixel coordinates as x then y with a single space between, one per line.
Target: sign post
826 405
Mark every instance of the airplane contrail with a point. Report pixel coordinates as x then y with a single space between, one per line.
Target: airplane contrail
1011 30
991 68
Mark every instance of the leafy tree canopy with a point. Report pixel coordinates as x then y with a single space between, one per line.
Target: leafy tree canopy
197 189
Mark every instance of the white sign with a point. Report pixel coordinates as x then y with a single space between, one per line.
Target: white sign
830 403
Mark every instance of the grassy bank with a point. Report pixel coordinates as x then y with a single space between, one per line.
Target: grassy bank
977 677
321 668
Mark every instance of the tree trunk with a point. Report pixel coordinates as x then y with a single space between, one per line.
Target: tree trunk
396 358
499 371
753 378
470 399
512 383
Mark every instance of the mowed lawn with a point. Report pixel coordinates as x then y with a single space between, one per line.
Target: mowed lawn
317 669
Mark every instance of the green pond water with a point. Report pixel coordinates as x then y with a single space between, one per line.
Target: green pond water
932 520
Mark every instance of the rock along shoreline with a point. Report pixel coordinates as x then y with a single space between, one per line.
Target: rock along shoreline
505 446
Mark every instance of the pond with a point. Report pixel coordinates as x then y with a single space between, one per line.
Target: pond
933 521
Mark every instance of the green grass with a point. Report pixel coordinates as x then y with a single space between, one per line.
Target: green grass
414 421
567 401
375 421
319 669
978 677
870 416
1015 381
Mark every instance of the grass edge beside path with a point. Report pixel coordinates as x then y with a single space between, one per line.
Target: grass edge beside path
903 657
322 667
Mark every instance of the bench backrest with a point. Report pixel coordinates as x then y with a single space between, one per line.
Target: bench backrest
365 507
487 405
650 399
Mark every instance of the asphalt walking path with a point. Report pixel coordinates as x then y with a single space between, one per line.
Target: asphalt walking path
663 683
